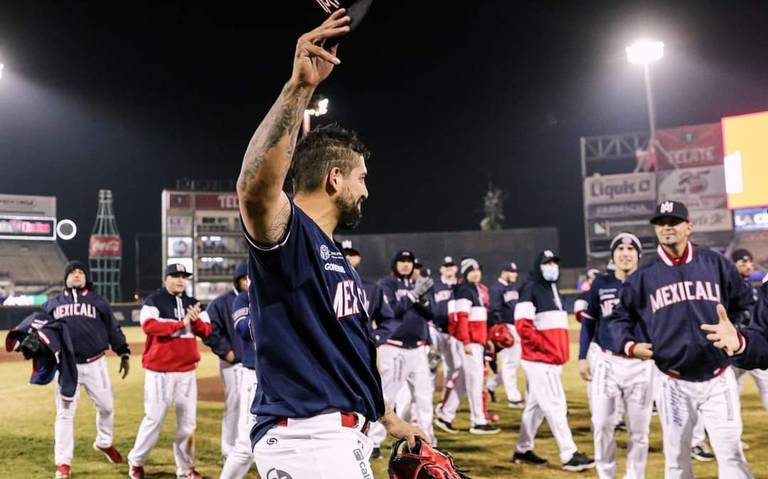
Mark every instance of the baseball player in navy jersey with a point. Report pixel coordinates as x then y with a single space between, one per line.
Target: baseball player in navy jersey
319 387
240 457
503 299
93 328
614 377
468 326
749 346
542 324
662 309
403 342
228 347
172 322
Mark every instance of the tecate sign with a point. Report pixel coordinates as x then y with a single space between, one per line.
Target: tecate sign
620 188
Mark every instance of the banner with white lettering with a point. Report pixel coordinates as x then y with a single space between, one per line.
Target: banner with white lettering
700 188
751 219
612 189
689 146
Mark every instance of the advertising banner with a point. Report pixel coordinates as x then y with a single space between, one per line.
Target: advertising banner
102 246
751 219
635 209
613 189
707 221
689 146
27 227
699 188
601 232
216 201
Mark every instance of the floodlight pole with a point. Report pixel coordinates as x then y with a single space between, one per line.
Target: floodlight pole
651 105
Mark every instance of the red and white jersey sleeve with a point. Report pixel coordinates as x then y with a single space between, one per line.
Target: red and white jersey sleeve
542 324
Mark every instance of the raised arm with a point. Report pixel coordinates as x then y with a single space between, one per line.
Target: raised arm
264 207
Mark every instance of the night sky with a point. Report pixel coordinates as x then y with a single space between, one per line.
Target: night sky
448 95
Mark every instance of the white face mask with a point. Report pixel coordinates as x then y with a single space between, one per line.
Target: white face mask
550 271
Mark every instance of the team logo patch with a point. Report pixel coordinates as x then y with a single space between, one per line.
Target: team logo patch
325 253
666 207
277 474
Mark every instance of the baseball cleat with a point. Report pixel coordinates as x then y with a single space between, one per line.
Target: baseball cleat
445 426
136 472
484 429
63 472
112 454
376 453
528 457
579 462
700 453
491 394
516 404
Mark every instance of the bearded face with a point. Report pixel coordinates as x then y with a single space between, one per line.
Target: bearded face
350 208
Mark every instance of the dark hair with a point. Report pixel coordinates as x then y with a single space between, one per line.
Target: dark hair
322 149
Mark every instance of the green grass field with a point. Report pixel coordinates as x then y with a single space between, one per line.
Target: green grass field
27 416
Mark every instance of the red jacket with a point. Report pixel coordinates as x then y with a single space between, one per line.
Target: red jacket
170 347
467 315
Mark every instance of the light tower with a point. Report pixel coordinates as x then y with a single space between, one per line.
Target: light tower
105 249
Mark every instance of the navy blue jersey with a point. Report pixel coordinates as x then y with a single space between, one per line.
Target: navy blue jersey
442 294
755 355
409 327
223 338
602 297
310 327
668 300
503 299
377 305
92 325
242 324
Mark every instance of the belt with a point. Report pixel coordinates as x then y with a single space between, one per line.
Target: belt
348 419
615 354
91 359
676 375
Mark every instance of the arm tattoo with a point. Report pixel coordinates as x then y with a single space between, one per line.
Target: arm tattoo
282 120
276 231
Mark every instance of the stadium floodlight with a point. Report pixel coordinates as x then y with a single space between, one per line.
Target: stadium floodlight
318 106
645 52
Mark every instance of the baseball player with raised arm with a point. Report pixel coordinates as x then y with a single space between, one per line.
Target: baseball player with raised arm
228 347
319 387
662 309
240 457
468 324
93 328
172 321
614 377
542 324
503 299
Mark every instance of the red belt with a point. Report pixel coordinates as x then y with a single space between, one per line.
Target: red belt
676 375
92 359
348 419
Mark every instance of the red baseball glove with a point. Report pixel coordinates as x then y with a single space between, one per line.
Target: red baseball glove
501 336
425 462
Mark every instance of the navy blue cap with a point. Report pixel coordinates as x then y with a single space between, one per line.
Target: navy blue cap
179 269
670 209
240 270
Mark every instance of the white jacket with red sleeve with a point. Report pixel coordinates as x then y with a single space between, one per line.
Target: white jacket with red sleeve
467 315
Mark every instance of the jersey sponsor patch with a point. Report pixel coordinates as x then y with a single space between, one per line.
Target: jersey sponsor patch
684 291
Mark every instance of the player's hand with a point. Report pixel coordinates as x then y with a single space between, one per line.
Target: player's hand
468 349
312 63
490 348
230 357
125 365
643 351
403 430
723 334
584 370
192 313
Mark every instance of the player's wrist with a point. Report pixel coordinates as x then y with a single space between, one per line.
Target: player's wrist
629 348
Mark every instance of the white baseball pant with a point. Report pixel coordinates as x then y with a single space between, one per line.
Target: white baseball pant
716 401
94 377
230 375
469 381
620 380
318 447
240 457
509 362
161 391
545 398
761 381
407 367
